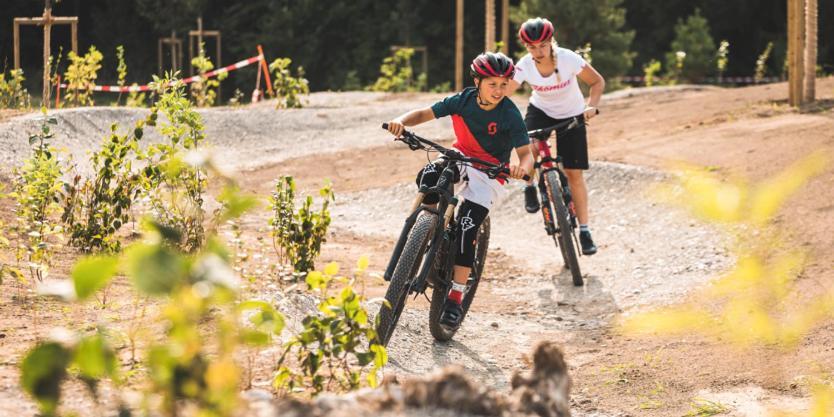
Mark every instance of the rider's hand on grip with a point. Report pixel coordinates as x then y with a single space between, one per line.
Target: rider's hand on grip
396 128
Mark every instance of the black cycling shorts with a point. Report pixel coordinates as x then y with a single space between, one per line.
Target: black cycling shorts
571 145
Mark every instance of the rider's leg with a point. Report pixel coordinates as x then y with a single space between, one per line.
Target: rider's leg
573 147
579 192
470 217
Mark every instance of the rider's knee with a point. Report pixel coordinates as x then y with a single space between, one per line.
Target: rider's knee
470 218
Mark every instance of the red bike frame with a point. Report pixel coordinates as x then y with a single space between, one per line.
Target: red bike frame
546 163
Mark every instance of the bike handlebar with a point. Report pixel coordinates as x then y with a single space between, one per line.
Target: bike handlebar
569 124
416 142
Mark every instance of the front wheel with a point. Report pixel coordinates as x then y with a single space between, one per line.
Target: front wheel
403 276
441 288
564 233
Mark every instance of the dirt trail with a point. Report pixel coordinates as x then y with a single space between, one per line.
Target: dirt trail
649 254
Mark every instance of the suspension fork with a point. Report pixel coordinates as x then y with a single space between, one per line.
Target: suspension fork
416 208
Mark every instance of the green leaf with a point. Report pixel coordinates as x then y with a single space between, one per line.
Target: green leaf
91 274
254 337
42 371
380 357
95 359
155 269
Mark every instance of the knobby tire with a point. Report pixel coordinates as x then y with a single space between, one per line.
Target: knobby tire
565 235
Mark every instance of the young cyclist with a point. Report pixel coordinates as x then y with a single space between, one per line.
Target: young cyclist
552 73
487 126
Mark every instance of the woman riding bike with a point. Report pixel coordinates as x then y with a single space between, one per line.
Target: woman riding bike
487 126
552 74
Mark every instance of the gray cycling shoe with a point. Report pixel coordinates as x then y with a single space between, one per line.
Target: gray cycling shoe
588 247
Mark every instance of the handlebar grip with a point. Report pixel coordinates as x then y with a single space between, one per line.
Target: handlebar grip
385 126
526 177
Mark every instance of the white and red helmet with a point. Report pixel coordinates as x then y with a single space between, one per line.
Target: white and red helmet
492 64
535 30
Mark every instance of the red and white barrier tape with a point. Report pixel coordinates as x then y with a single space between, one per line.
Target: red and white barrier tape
137 88
722 80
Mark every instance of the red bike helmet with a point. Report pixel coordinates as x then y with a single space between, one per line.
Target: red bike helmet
535 30
492 64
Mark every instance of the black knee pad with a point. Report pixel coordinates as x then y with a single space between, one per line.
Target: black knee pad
429 176
470 218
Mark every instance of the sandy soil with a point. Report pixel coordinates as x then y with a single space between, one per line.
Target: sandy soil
650 254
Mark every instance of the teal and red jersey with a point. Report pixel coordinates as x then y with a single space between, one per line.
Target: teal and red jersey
488 135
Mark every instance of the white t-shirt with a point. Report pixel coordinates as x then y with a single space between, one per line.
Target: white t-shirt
558 100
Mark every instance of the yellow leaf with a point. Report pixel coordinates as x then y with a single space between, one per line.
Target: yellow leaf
222 375
362 263
331 269
823 402
771 194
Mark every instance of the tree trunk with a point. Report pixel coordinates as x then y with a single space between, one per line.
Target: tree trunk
810 50
490 26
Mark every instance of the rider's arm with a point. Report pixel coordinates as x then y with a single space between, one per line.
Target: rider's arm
412 118
590 76
525 164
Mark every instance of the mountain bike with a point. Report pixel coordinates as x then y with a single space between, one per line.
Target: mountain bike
423 256
557 207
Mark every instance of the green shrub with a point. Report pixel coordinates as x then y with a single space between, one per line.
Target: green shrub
81 77
333 342
13 94
175 177
721 58
298 234
191 370
693 38
136 98
395 73
96 208
287 88
650 71
204 89
121 70
36 191
761 63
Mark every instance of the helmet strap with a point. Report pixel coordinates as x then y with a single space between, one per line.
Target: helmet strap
481 101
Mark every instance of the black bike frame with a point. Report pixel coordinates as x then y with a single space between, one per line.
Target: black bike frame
445 215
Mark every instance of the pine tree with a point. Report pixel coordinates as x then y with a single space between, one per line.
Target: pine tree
693 37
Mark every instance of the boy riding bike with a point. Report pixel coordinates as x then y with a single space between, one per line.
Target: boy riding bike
487 126
552 74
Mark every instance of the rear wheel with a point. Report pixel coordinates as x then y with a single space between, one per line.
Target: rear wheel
441 289
403 276
564 233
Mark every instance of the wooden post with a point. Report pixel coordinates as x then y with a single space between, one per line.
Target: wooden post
489 44
74 31
47 34
16 36
198 35
176 52
505 26
459 47
810 51
796 15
